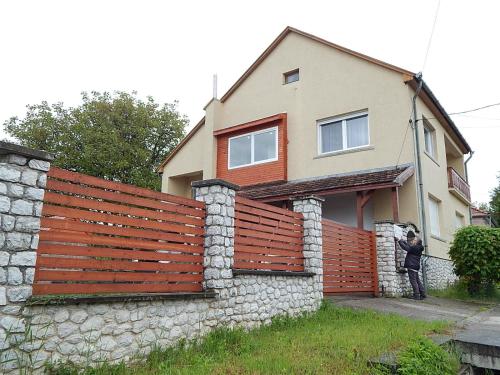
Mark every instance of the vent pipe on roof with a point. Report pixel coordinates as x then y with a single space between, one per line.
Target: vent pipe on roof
214 96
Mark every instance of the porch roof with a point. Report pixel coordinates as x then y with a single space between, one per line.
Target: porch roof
346 182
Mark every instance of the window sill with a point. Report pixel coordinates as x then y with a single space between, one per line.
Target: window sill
432 158
438 238
348 151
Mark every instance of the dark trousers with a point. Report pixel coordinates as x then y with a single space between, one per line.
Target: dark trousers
416 284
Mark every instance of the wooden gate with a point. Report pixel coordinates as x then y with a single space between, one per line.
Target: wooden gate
349 259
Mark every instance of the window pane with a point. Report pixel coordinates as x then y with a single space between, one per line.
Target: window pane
434 217
429 147
292 77
357 131
331 137
265 146
240 151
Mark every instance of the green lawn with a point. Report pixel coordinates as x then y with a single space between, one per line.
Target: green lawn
332 341
458 291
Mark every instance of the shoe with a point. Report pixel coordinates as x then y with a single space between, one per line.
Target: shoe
422 297
416 298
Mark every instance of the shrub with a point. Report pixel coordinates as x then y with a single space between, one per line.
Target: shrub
423 357
475 253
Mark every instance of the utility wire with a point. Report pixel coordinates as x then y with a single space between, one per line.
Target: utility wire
403 143
432 34
463 112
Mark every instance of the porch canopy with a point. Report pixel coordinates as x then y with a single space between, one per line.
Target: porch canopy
363 183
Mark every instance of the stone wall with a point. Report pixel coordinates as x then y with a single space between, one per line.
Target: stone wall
23 175
439 272
86 330
393 278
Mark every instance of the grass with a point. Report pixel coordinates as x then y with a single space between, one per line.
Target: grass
458 291
333 340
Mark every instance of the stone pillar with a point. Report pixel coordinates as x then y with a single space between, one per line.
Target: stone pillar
219 197
388 278
311 208
23 175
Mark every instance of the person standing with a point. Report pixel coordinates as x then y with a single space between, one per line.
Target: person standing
413 247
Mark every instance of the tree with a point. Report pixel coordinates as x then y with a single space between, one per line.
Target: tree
114 136
495 203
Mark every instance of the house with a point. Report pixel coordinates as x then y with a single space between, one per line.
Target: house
482 218
311 117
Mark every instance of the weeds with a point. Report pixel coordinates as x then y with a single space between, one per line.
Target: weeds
331 340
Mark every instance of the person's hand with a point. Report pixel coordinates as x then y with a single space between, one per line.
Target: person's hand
396 239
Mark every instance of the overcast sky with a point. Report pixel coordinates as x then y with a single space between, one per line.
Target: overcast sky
53 50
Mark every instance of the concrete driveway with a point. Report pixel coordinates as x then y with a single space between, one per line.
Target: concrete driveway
477 325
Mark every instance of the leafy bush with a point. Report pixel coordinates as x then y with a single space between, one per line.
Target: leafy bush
475 253
423 357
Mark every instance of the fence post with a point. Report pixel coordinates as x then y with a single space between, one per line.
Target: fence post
23 175
219 197
311 208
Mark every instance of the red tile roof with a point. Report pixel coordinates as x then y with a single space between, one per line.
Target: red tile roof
387 177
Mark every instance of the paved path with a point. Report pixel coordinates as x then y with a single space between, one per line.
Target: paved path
477 324
431 308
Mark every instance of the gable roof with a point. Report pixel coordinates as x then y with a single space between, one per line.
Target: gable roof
181 144
289 30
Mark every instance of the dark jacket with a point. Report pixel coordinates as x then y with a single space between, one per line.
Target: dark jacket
414 252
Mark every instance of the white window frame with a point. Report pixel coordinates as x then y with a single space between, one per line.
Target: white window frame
459 220
436 202
252 148
344 131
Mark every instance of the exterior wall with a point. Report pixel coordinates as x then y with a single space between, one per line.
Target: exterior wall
439 273
342 208
435 182
254 174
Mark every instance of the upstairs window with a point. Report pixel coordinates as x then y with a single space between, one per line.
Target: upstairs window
430 139
253 148
343 133
292 76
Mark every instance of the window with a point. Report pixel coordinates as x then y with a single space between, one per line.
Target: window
253 148
343 133
430 139
459 220
434 216
292 76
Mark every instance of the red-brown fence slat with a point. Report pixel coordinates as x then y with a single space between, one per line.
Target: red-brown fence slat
89 288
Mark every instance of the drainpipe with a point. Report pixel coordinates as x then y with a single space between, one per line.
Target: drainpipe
420 189
471 154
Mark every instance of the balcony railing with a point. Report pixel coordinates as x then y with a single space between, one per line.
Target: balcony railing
457 185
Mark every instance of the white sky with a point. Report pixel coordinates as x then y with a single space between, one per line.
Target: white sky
53 50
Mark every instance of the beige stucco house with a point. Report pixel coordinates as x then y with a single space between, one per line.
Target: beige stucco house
311 117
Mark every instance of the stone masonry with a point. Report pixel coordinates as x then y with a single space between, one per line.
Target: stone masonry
87 332
393 278
23 175
310 207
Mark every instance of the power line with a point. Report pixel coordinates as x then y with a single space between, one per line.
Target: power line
432 34
403 143
475 109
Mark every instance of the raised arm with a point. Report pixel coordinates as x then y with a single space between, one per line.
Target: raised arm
404 245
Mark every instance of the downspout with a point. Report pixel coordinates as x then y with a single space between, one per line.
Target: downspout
420 200
467 179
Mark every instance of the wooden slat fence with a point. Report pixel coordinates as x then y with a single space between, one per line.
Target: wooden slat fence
267 237
349 259
99 236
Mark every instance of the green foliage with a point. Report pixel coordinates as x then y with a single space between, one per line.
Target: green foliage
495 203
459 291
330 341
423 357
475 253
114 136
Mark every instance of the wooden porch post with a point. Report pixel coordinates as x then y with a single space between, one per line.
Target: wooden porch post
395 204
362 198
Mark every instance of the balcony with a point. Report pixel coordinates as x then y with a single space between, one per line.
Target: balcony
458 186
